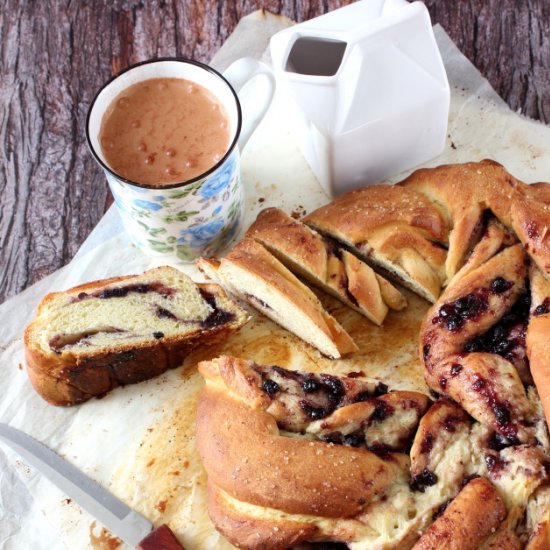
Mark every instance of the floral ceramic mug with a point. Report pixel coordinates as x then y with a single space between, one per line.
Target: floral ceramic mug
198 217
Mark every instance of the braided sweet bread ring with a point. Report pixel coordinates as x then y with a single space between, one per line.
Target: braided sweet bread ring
488 423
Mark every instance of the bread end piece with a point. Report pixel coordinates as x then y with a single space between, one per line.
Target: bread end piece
87 340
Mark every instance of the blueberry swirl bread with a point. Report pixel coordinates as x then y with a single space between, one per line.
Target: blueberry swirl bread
466 467
87 340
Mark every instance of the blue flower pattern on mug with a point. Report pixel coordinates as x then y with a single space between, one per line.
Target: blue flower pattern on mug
201 235
147 205
186 221
220 181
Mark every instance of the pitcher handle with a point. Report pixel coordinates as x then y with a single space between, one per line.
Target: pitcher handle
239 73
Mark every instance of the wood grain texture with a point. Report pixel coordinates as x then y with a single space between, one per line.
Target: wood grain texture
55 55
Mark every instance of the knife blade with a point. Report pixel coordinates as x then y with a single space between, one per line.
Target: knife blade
115 515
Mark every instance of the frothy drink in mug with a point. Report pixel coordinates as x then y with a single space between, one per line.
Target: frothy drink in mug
163 131
167 133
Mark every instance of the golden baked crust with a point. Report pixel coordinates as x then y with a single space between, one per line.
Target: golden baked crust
538 520
474 514
395 229
289 457
324 264
478 456
270 439
69 368
531 222
464 192
298 477
254 533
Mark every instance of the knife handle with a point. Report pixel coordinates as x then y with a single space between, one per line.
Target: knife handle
160 538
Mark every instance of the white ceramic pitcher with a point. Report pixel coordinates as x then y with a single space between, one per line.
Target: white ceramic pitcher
366 91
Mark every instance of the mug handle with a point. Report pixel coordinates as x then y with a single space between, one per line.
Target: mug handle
238 74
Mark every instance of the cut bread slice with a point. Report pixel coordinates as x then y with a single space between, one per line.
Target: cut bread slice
87 340
322 263
396 230
256 276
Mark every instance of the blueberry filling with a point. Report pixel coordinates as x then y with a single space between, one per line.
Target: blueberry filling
543 308
441 508
453 315
362 396
311 411
507 337
163 313
61 341
500 410
254 300
494 463
217 316
424 479
270 387
335 388
354 440
122 291
310 386
498 442
381 411
455 369
427 444
500 285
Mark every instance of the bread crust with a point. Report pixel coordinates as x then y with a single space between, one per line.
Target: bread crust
245 455
396 230
306 253
483 261
464 191
279 232
69 377
474 514
503 539
357 215
538 351
530 221
254 533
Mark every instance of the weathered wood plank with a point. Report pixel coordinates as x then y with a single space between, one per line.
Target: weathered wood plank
55 55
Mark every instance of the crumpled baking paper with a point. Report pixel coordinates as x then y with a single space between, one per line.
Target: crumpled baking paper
101 436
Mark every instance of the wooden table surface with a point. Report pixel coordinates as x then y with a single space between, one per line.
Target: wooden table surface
55 55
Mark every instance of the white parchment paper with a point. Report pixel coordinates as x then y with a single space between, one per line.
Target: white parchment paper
100 436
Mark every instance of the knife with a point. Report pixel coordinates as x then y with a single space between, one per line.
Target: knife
116 516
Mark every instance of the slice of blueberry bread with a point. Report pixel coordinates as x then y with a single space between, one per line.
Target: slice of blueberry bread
87 340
